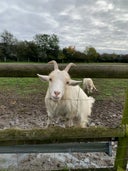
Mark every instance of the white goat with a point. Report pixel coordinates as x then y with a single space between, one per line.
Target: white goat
88 85
64 98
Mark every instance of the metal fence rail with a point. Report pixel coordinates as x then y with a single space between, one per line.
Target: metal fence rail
59 148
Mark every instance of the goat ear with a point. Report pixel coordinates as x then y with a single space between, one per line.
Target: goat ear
43 77
74 82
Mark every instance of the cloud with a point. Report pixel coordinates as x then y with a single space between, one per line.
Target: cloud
104 5
100 23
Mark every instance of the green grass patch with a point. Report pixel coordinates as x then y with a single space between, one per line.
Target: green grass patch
111 88
107 88
22 86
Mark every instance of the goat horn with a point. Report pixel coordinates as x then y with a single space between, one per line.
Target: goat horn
69 66
55 64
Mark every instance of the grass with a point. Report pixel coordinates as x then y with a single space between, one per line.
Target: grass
22 86
107 88
111 88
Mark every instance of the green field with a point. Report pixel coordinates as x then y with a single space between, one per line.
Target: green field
107 88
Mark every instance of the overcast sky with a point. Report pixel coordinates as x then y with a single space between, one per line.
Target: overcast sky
102 24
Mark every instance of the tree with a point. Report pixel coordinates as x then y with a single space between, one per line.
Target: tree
53 50
105 57
69 53
91 53
79 57
21 51
61 56
1 52
27 51
48 47
31 53
8 42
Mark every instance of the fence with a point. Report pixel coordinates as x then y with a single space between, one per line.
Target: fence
57 139
80 71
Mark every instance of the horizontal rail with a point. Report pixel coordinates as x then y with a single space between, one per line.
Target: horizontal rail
59 135
59 148
80 71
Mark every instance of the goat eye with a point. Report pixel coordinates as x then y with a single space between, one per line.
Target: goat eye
67 82
50 79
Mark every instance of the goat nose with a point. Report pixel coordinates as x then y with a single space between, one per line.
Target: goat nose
56 93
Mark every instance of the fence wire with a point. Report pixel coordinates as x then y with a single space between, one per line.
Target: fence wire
22 106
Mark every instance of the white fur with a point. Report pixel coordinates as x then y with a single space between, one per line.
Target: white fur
69 102
88 85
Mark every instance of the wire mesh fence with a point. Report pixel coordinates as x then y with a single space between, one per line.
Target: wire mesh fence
22 107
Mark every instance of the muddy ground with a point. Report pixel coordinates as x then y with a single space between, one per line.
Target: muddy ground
29 111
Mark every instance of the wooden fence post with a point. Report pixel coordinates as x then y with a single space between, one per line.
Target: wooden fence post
121 160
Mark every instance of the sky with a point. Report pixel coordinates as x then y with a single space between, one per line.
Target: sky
102 24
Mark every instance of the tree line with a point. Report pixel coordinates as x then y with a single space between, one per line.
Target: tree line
46 47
